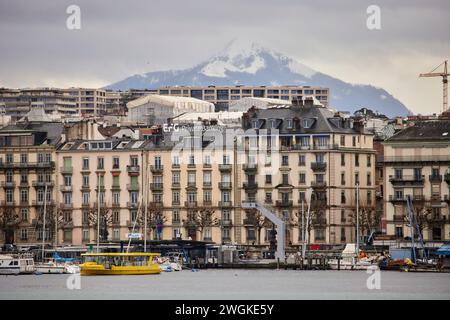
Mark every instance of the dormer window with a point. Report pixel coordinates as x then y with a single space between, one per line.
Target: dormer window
272 124
307 123
289 123
255 124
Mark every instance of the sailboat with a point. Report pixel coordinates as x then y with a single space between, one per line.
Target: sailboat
55 265
351 258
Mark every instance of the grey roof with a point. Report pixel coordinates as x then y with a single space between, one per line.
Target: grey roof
53 130
323 120
424 130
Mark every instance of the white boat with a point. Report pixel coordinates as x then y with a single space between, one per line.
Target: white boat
349 260
172 262
16 264
53 267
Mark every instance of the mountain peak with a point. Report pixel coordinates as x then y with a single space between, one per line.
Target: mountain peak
244 56
244 62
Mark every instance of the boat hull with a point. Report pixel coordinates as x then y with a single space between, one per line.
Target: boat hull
50 269
108 272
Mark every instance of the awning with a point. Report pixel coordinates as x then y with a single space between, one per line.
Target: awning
444 250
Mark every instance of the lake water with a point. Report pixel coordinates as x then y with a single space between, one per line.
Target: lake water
232 284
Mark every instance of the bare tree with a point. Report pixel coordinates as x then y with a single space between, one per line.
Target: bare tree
155 217
369 220
201 219
257 220
54 220
106 219
9 222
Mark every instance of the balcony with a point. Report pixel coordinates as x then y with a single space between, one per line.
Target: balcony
318 166
436 198
133 187
417 198
157 169
407 179
132 204
318 203
447 198
318 184
250 168
207 165
66 206
225 185
225 223
100 188
437 218
447 178
38 203
175 166
435 177
176 185
225 204
133 170
319 221
225 167
207 184
42 184
190 204
398 218
115 168
64 188
5 203
250 185
27 165
114 187
192 185
283 203
66 170
156 186
207 203
6 184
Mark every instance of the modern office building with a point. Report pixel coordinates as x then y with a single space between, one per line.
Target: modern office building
89 101
18 102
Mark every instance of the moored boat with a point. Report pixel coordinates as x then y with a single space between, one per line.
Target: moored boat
16 264
133 263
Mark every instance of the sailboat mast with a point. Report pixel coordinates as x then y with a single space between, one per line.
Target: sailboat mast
357 220
43 225
145 189
98 214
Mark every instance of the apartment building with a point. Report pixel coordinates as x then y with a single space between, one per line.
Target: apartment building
321 159
181 191
18 102
27 170
417 164
89 101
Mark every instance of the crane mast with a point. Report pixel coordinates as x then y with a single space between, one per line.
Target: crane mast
444 75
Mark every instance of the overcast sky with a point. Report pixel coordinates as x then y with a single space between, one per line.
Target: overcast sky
121 38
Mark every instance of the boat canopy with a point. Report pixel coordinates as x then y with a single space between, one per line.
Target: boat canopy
444 250
120 254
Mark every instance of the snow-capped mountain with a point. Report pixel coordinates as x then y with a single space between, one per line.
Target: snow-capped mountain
244 63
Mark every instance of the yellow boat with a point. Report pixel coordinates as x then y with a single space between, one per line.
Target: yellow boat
120 263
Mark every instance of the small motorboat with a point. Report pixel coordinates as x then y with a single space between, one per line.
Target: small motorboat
16 264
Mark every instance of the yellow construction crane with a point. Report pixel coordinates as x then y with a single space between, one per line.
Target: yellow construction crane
444 82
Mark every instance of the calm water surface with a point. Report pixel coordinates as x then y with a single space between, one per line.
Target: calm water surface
231 284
